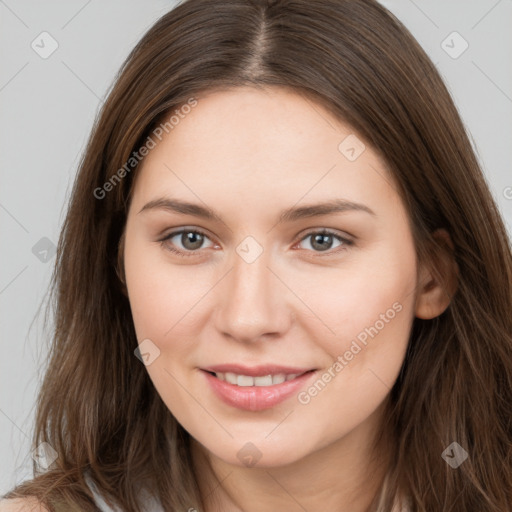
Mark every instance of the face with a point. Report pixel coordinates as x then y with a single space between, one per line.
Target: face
269 287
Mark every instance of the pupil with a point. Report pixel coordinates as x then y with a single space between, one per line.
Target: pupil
189 239
321 238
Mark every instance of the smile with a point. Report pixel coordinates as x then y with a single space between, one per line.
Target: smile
256 392
247 380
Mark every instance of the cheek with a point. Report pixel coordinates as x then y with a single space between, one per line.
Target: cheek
371 314
367 308
162 295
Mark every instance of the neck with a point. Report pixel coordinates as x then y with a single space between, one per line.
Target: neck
343 476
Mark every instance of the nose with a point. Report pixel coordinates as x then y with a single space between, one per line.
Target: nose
252 302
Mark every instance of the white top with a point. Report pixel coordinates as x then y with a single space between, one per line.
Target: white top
149 503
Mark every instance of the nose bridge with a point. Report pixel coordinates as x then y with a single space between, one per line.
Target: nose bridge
250 304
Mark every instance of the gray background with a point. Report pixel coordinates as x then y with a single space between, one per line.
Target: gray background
48 106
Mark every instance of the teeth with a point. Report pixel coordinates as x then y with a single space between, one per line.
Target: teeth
246 380
279 378
230 377
263 381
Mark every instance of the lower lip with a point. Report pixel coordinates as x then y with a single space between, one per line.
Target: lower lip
256 398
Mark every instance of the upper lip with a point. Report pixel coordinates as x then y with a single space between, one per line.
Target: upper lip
256 371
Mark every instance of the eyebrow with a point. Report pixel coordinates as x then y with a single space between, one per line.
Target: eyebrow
288 215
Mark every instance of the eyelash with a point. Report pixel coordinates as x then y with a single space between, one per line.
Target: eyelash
345 242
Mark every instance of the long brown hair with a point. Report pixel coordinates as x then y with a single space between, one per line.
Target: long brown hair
97 406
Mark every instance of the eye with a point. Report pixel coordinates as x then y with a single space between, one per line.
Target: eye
322 241
190 239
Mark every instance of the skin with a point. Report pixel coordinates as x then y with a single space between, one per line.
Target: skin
247 154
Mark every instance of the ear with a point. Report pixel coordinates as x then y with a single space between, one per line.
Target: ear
120 264
437 278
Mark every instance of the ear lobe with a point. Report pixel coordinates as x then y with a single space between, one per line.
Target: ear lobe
438 277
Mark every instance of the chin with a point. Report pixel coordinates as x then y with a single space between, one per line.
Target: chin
259 453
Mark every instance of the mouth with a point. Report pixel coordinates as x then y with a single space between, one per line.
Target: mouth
256 389
261 381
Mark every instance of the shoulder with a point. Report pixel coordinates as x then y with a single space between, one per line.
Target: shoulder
22 505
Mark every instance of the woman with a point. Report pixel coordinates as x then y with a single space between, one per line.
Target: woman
282 283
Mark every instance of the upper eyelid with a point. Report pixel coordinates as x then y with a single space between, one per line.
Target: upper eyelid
172 234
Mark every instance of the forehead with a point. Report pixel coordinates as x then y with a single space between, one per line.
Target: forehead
275 121
246 146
